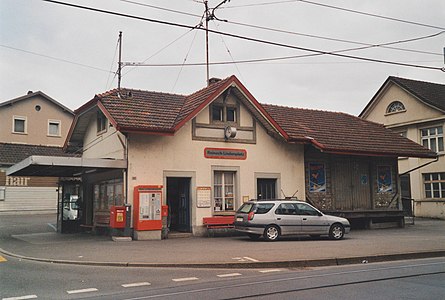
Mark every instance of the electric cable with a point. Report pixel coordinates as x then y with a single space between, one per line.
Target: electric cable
57 59
185 59
251 39
111 67
298 33
372 15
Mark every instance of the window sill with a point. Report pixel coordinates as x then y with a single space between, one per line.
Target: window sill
20 133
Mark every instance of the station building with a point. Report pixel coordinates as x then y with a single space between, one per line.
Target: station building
202 155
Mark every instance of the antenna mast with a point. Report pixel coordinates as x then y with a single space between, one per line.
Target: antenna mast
119 68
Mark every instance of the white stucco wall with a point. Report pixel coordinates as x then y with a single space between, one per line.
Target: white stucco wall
417 116
151 156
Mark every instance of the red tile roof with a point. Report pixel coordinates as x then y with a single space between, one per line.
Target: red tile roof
162 113
343 133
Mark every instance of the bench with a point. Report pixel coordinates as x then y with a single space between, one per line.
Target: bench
219 222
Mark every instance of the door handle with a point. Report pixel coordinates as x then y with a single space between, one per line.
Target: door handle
278 219
304 219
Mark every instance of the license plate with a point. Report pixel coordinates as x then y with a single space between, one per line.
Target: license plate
239 219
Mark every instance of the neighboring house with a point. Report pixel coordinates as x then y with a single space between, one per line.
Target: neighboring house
416 110
34 124
205 153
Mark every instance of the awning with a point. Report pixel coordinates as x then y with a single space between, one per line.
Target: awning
56 166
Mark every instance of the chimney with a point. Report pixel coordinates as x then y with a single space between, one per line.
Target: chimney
214 80
30 92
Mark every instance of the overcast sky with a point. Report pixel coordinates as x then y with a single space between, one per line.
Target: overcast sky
70 54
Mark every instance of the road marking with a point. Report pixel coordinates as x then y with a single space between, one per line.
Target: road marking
185 279
82 291
2 259
52 226
270 270
251 259
21 298
229 275
136 284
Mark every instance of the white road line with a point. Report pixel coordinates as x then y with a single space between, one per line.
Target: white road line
270 270
251 259
136 284
185 279
21 298
229 275
82 291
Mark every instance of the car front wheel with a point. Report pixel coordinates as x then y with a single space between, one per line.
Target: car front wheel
271 233
337 232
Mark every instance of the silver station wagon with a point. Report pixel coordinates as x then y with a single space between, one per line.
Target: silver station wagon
274 218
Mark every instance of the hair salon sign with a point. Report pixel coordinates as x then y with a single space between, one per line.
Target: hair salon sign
225 153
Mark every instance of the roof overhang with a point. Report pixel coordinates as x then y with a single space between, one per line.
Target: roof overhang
56 166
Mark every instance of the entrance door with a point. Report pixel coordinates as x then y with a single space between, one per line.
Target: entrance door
266 188
178 201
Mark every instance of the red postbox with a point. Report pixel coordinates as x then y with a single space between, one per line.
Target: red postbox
117 216
164 212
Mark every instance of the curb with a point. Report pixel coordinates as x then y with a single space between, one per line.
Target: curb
253 265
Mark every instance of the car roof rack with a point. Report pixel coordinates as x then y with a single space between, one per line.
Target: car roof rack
275 199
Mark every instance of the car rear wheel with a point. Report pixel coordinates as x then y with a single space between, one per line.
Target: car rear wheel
254 236
271 233
337 231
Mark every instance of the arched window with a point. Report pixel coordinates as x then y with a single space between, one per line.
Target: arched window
395 106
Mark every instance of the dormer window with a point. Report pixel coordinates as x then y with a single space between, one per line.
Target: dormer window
395 107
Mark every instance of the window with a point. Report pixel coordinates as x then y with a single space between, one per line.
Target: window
101 122
108 193
223 113
286 209
53 128
224 191
19 125
395 107
306 210
217 113
432 138
434 185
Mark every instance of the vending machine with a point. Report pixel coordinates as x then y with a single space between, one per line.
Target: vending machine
147 207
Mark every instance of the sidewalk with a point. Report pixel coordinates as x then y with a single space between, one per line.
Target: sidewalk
424 239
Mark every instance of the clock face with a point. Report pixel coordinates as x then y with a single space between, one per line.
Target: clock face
230 132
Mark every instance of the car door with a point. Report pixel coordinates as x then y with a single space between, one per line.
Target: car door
288 219
312 222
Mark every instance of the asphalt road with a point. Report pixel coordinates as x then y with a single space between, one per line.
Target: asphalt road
414 279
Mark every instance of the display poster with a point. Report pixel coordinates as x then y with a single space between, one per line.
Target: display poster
317 177
384 179
203 196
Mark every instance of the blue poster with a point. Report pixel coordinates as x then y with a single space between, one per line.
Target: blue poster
317 177
384 179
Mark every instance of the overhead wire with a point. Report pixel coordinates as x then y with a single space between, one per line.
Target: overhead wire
251 39
229 52
57 59
371 14
111 67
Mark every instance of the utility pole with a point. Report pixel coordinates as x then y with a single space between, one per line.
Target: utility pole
119 68
207 15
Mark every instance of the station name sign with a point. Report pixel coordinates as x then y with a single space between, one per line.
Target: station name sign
225 153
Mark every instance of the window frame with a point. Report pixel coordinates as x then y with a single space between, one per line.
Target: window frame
224 197
59 128
393 109
25 124
437 137
431 182
101 122
224 108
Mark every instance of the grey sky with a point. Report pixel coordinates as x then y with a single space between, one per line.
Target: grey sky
89 40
